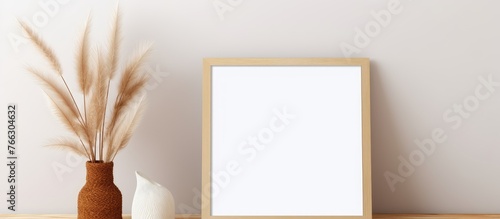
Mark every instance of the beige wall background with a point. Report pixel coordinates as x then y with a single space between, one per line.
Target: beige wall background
435 91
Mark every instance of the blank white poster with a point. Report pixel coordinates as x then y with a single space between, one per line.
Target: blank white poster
286 141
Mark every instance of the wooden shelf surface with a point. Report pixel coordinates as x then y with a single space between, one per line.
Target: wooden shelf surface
436 216
375 216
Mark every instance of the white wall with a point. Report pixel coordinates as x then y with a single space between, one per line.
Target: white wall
428 57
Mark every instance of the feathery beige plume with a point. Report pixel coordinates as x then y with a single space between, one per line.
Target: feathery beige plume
42 46
114 44
49 55
130 85
112 66
55 91
94 132
84 75
63 106
125 128
98 102
70 144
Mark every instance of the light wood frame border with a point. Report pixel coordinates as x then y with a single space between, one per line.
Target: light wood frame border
206 125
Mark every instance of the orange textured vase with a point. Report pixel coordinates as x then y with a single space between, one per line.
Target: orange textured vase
99 197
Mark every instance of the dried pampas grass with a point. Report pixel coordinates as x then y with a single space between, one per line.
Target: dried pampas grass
93 136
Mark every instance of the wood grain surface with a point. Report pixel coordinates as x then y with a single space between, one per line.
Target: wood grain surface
436 216
375 216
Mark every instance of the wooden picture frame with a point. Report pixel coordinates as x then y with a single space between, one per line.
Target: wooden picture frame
286 138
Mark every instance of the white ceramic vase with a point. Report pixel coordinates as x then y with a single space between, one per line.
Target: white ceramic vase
152 200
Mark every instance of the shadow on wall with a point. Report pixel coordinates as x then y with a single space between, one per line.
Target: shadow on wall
386 143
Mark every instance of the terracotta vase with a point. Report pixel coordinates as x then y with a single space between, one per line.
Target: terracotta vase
99 197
